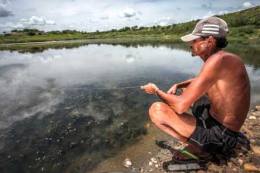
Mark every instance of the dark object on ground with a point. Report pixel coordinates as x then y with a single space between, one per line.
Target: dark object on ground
188 164
171 166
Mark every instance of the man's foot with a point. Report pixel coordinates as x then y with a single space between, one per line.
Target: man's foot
187 153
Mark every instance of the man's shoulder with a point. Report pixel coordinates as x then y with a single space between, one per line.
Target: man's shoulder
221 56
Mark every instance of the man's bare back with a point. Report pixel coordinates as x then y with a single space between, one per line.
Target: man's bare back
230 95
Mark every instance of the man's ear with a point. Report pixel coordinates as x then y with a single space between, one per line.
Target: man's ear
212 41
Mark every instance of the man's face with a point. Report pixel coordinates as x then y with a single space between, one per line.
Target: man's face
203 46
198 46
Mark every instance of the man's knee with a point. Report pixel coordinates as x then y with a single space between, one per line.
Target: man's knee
157 111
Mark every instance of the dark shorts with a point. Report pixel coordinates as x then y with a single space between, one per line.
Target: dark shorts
209 134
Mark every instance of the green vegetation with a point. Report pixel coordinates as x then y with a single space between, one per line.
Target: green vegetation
244 28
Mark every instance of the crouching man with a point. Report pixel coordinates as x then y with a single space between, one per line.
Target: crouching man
219 95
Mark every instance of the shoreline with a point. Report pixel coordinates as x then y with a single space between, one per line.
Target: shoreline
145 156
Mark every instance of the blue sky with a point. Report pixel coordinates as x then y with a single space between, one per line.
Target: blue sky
92 15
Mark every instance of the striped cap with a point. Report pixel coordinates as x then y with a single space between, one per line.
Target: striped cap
210 26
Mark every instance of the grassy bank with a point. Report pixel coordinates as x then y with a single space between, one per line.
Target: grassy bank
244 28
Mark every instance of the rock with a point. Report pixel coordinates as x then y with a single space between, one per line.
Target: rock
256 113
150 163
240 161
42 169
251 167
127 163
252 117
252 141
257 107
256 150
153 160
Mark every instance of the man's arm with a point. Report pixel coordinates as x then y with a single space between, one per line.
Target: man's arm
186 83
183 84
199 86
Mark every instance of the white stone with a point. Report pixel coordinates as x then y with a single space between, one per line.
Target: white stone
252 117
153 160
240 161
127 162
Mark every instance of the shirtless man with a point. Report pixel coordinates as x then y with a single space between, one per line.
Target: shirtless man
220 94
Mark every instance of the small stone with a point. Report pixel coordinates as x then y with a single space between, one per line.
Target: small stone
42 169
252 141
251 167
150 163
240 161
156 165
230 164
153 160
252 117
256 113
127 163
256 150
257 107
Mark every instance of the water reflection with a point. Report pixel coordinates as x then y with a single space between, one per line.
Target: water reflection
68 109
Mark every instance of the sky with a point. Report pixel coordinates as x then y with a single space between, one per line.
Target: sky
92 15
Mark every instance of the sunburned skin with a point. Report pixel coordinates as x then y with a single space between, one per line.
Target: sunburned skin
223 78
230 95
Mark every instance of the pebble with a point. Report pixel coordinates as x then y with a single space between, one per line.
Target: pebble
256 113
251 167
252 117
150 163
240 161
42 169
252 141
256 150
127 163
153 160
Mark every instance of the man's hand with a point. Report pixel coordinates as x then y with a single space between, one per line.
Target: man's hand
150 88
173 89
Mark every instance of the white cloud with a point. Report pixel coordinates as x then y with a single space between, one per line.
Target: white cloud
35 20
223 12
32 22
247 4
164 21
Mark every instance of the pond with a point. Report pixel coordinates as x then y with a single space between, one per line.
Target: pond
68 109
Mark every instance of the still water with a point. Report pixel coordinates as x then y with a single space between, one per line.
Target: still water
69 109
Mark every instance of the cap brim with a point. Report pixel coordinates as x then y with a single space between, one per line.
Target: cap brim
189 37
